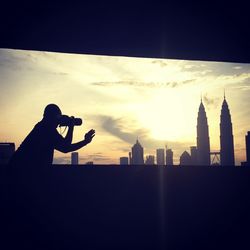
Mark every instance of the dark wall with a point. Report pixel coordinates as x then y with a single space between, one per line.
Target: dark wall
210 30
124 207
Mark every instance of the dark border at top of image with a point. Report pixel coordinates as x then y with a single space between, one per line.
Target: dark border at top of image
205 31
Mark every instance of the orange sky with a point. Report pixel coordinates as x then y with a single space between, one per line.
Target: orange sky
122 98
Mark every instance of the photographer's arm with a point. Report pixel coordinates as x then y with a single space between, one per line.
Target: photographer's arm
76 146
65 148
69 136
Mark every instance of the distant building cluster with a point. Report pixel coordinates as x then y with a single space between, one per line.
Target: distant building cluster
136 157
201 154
75 159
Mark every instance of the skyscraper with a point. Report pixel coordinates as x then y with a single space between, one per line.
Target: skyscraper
74 158
203 144
194 155
137 154
150 160
185 159
248 148
226 136
130 158
160 156
123 160
169 157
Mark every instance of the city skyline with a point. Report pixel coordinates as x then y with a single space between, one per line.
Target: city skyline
201 153
123 98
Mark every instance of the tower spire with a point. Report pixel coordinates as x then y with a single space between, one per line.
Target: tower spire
224 94
203 142
137 154
137 139
226 136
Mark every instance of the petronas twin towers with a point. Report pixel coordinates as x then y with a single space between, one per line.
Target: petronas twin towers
226 137
203 143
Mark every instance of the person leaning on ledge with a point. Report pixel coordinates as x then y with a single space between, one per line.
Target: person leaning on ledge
37 149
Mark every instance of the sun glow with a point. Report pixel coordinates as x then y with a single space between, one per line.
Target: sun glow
165 115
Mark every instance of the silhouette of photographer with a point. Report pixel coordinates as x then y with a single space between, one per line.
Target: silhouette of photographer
37 149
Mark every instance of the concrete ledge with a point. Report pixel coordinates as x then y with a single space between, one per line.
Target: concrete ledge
126 207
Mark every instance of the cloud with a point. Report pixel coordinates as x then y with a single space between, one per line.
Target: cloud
19 59
62 160
211 102
237 67
241 87
122 149
246 81
215 69
172 84
116 128
198 69
160 62
194 66
9 60
241 83
35 61
119 129
95 157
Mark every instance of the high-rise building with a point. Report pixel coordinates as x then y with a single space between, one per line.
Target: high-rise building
74 158
123 160
137 154
130 158
169 157
194 155
7 149
226 136
160 156
203 144
248 148
185 159
150 160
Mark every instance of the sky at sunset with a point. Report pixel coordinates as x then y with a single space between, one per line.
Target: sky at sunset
122 98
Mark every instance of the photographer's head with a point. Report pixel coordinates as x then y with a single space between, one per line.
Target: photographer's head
52 114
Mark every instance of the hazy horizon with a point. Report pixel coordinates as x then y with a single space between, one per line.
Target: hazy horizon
123 98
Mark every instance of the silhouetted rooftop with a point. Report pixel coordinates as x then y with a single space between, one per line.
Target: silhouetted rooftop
127 207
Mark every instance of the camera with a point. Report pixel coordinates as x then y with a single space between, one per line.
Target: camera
66 121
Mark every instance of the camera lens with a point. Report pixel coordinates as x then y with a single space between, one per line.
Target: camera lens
66 121
77 121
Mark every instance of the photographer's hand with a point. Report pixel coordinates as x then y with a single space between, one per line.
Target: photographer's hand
89 136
